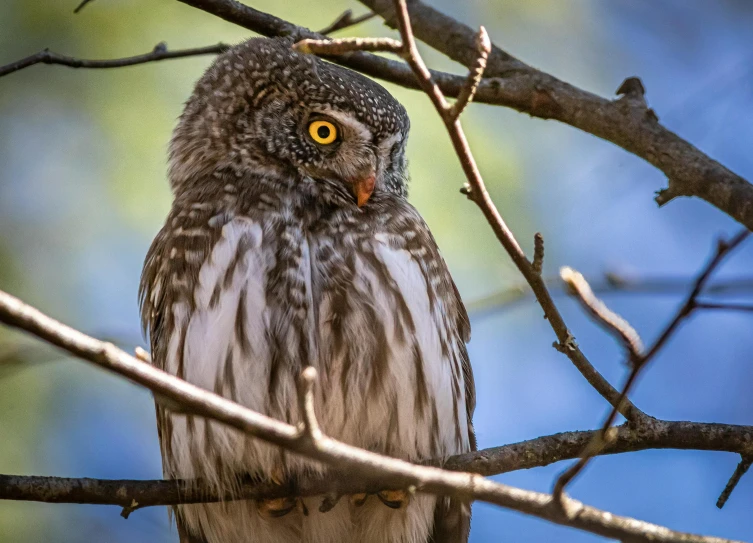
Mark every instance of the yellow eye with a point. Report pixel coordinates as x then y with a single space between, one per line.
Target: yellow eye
323 132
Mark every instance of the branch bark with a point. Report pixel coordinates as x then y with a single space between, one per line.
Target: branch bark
160 52
626 122
541 451
389 472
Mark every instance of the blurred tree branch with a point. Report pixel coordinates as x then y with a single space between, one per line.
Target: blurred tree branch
160 52
613 283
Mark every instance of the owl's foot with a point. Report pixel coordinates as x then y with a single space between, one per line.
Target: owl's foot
358 499
276 508
394 499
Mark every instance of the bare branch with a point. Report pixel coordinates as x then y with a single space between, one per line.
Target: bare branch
538 253
541 451
389 472
723 248
614 283
476 191
742 468
747 308
346 20
82 5
468 90
159 52
605 317
309 427
626 122
347 45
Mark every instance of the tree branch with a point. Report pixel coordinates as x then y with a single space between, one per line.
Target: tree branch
615 283
389 472
638 358
541 451
626 122
159 52
475 188
346 20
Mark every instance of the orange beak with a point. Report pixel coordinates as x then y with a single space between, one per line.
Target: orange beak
363 188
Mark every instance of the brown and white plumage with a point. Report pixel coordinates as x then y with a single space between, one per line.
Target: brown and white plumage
267 264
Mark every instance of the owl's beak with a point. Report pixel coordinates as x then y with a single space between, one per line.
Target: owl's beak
363 188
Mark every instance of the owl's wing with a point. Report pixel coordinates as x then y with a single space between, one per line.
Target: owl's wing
408 232
452 517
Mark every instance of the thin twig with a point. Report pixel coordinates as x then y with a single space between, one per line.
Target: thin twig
81 6
476 190
390 472
468 91
605 317
723 248
722 306
340 46
538 253
160 52
740 470
610 284
346 20
309 427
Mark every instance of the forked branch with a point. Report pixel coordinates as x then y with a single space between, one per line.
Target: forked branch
629 337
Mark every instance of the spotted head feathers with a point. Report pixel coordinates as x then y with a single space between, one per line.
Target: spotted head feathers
252 109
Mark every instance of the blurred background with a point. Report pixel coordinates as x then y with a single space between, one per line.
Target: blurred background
83 191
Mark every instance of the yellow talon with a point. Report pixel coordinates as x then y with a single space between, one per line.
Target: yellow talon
276 508
394 499
358 499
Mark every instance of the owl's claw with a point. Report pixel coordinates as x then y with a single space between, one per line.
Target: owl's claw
329 501
276 508
358 499
394 499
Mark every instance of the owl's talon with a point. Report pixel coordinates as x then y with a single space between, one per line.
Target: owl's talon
358 499
276 508
394 499
329 502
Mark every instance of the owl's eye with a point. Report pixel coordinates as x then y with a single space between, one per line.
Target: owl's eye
322 132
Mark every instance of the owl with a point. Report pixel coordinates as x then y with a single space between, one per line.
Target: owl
291 243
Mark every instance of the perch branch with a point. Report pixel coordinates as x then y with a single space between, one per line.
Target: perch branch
389 472
541 451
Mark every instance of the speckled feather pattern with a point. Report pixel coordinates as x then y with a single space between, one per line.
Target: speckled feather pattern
266 265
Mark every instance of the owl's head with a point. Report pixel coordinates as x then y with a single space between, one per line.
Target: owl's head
262 108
